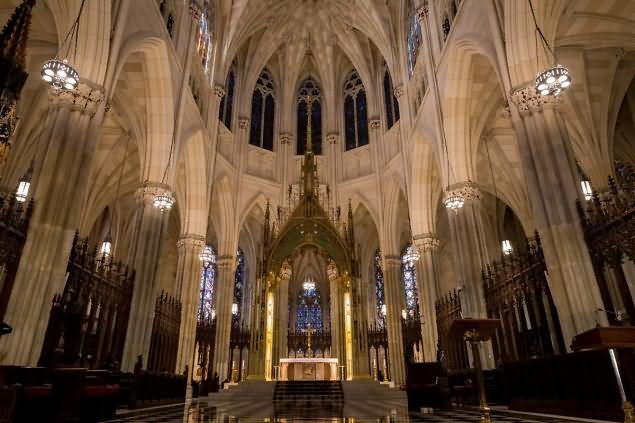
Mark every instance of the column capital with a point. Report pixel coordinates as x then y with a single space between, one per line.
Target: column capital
468 190
225 262
426 242
374 123
219 91
84 98
243 123
285 138
398 91
192 241
528 100
422 14
195 10
391 261
332 138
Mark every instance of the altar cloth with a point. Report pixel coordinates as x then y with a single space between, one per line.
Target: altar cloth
308 369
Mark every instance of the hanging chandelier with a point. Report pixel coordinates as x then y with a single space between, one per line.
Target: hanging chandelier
163 202
555 79
106 246
59 73
507 247
207 256
22 193
411 255
454 201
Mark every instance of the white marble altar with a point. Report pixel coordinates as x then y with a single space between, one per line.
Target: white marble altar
308 369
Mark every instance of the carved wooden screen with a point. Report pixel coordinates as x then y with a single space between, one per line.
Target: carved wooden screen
452 351
14 222
609 228
89 319
205 338
517 292
164 343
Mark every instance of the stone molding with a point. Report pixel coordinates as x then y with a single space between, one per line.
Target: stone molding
391 261
191 241
224 262
374 124
332 138
422 14
427 242
243 123
84 98
285 138
219 91
528 100
195 10
468 190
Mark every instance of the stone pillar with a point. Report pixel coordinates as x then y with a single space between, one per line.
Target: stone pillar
226 268
360 330
337 311
468 235
393 291
144 253
428 288
282 299
332 140
285 143
256 359
553 187
188 277
71 130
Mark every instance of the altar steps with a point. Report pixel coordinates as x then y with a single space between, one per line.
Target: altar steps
314 390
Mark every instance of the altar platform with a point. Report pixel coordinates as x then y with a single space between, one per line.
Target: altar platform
308 369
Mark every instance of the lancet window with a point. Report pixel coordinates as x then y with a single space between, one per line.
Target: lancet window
263 112
206 310
203 42
379 290
239 285
414 38
309 308
409 278
309 87
390 101
355 112
227 102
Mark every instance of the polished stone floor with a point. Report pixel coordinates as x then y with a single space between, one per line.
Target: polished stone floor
208 411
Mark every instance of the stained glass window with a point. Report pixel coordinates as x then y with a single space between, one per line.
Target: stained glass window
309 87
206 298
263 112
309 308
414 39
409 277
355 112
227 102
203 42
239 284
379 291
390 101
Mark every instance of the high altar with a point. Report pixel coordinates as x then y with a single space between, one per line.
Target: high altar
308 369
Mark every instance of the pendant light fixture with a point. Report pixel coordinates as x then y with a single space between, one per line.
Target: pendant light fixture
22 193
555 79
58 72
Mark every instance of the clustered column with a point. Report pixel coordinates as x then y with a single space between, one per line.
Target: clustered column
337 311
71 130
393 290
428 288
188 276
282 300
144 252
224 297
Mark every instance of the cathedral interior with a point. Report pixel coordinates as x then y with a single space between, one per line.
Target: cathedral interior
317 210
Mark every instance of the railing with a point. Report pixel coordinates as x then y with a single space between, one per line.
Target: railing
205 338
164 343
14 222
320 341
452 351
89 319
609 228
516 292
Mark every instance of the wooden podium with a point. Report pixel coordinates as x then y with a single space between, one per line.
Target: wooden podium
475 331
610 338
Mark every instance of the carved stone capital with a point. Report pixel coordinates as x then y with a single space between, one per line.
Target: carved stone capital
422 14
529 100
374 124
285 138
392 261
219 91
225 262
243 123
426 242
468 190
191 241
332 138
399 91
195 10
84 98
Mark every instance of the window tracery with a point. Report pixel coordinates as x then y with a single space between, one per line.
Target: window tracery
409 278
309 87
263 112
206 310
227 102
414 38
203 43
379 291
355 112
239 285
309 308
390 101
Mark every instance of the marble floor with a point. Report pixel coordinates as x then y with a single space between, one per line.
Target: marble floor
208 410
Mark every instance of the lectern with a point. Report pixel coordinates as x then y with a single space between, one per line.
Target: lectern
475 331
610 338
